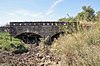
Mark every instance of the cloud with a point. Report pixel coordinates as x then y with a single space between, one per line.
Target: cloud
51 9
55 3
23 12
49 12
11 14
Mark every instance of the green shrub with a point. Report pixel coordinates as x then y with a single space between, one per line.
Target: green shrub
15 45
20 49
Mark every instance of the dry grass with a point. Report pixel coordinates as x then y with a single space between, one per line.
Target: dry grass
79 49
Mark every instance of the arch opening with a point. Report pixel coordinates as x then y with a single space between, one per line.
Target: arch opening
56 36
49 40
29 38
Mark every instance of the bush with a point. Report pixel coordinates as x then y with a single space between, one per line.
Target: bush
20 49
14 46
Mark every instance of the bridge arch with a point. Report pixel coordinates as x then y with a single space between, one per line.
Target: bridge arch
50 39
56 35
29 37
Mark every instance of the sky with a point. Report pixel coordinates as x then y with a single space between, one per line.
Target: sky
41 10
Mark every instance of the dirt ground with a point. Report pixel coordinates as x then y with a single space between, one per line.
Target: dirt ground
34 57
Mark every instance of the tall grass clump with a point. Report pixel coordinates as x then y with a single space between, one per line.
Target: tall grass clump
79 49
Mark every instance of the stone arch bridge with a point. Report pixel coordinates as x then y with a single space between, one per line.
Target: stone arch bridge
31 32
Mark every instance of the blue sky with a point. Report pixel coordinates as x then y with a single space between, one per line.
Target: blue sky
41 10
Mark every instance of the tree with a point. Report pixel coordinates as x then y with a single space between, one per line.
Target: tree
63 19
70 19
87 14
80 16
98 15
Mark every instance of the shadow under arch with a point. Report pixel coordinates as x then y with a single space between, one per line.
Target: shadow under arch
29 38
55 36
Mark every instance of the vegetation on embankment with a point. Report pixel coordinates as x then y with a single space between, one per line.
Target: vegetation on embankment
79 49
14 46
88 14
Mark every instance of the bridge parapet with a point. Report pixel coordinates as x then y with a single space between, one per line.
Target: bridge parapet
38 27
38 23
